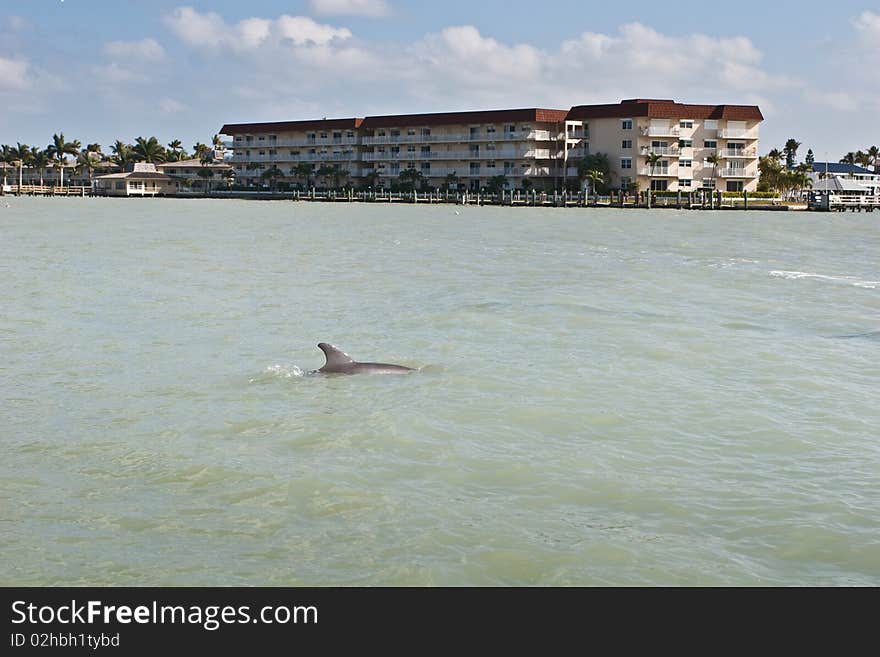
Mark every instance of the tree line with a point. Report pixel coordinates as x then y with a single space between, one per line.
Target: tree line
92 157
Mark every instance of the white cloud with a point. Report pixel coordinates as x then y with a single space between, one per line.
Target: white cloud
210 32
113 73
868 26
146 50
14 74
18 23
836 100
372 8
171 106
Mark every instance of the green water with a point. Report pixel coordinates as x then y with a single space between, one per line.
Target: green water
605 397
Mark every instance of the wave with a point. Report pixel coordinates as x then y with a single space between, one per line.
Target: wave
278 371
850 280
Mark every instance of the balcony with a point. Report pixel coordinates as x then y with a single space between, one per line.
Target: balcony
737 173
302 157
658 172
283 143
747 153
577 134
534 135
736 134
659 131
458 155
660 150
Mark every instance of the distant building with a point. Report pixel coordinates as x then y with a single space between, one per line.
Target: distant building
853 176
144 180
190 173
650 144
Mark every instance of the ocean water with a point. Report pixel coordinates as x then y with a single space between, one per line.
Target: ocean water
604 397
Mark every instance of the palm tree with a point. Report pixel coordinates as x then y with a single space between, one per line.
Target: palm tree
595 177
39 159
122 154
849 158
88 160
874 158
451 182
862 159
200 149
653 159
5 158
776 154
175 150
410 179
496 184
272 174
326 171
21 155
371 179
790 150
59 148
714 159
149 150
304 171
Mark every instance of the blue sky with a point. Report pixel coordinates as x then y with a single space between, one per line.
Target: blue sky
100 70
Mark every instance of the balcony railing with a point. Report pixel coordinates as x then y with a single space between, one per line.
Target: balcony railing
736 134
534 135
658 172
658 131
282 143
660 150
458 155
737 173
302 157
738 152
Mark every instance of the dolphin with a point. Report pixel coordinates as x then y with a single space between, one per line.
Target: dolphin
339 362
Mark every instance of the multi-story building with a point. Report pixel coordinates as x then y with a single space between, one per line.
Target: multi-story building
467 147
649 144
258 147
664 145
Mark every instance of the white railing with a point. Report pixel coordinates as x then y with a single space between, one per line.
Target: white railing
307 157
534 135
738 133
658 172
456 155
283 143
659 150
738 152
657 131
737 173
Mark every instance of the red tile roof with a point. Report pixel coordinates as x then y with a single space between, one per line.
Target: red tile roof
456 118
666 109
285 126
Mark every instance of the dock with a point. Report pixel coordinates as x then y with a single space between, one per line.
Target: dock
844 202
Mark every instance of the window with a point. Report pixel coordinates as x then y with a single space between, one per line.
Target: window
262 152
410 149
710 124
708 183
626 124
625 182
490 164
474 132
685 143
273 137
349 134
685 124
659 185
262 139
120 184
273 152
425 132
395 133
380 134
626 163
508 167
682 182
734 185
710 143
426 168
411 132
510 128
475 168
626 144
337 136
686 164
490 147
490 129
426 151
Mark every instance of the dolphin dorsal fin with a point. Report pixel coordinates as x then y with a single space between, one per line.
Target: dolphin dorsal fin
334 356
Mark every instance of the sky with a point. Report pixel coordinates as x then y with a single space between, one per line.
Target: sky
102 70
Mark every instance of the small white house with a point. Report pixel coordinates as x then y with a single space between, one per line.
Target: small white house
144 180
